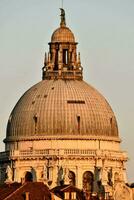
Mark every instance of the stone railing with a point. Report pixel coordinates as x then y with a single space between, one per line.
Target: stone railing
80 152
63 152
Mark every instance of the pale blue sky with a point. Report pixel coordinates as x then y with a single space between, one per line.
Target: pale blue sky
105 32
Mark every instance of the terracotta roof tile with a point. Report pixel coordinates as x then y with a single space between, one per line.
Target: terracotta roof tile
7 189
37 191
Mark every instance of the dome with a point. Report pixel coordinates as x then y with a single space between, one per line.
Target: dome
59 108
62 125
62 34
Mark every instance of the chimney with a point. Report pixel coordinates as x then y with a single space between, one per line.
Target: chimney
26 196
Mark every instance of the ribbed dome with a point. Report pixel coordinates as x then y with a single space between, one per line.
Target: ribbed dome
63 109
62 34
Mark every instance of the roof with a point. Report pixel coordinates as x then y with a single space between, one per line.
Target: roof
36 190
59 108
63 34
7 189
62 108
60 190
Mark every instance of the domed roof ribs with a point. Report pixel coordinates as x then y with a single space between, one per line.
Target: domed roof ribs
63 19
62 61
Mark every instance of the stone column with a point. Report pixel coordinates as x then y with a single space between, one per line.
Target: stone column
39 170
53 57
73 57
60 61
70 55
79 177
104 176
124 175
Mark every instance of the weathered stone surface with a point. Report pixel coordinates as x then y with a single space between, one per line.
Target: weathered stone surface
122 192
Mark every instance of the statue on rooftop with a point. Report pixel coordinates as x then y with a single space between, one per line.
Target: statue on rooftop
63 20
9 173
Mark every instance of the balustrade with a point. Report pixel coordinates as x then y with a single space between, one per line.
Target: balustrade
59 152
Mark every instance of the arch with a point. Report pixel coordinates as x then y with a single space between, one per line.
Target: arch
72 178
87 181
28 176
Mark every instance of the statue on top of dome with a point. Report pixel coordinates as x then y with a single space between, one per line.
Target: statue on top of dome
63 20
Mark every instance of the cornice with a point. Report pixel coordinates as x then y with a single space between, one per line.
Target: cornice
67 137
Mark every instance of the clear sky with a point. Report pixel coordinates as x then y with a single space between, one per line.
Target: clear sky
105 32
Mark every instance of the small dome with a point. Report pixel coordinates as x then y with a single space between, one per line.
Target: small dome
62 109
62 34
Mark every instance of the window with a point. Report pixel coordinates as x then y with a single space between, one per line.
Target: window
65 56
76 101
73 196
66 195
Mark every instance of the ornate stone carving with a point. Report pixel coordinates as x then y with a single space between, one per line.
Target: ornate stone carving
9 174
66 178
71 176
45 169
60 178
109 175
122 192
63 20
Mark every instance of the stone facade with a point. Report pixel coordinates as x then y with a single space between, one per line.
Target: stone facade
53 163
